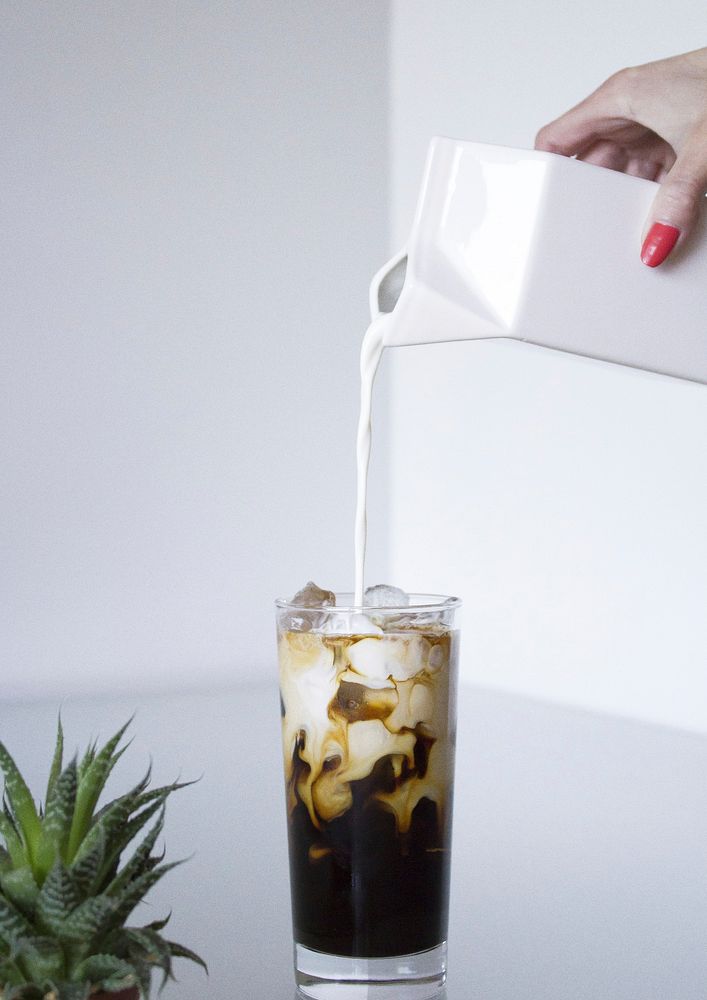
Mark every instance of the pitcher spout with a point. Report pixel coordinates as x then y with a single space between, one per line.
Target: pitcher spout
418 313
387 284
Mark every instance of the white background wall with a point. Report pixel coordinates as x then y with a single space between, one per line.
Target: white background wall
192 199
564 500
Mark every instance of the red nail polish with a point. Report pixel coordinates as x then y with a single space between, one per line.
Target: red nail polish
658 243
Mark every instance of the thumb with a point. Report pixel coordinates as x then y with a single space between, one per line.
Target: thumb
679 202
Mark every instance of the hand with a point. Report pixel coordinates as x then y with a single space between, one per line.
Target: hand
650 121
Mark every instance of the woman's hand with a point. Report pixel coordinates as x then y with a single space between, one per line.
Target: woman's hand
650 121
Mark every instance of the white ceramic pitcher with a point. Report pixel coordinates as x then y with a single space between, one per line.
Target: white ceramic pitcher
541 248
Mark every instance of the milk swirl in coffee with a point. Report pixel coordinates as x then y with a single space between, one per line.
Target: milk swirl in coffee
368 754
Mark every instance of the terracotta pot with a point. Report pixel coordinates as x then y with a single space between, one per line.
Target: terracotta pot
131 994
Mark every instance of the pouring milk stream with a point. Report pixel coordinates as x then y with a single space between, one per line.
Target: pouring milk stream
493 253
371 351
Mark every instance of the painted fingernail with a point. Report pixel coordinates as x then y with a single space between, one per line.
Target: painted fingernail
658 243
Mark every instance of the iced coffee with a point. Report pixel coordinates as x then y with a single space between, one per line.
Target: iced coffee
368 720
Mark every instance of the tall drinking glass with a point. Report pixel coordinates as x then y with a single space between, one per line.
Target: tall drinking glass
368 724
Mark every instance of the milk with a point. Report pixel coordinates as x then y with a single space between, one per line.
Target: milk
371 351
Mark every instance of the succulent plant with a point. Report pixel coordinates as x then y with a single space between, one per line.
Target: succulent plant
65 896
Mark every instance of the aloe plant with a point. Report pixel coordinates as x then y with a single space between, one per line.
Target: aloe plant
66 893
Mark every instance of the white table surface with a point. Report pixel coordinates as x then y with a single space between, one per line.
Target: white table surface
580 844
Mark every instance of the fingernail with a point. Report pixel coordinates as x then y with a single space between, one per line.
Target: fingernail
658 243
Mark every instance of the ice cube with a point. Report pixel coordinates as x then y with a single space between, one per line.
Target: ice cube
348 623
436 619
382 595
438 657
375 684
399 657
416 705
312 596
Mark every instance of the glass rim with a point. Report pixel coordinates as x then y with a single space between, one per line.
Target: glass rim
418 603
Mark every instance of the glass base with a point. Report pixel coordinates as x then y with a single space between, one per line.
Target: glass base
419 976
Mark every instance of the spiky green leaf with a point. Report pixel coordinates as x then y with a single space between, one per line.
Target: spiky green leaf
12 924
125 836
143 970
61 802
57 819
40 958
9 819
153 800
110 829
107 828
90 920
161 793
7 812
135 892
179 951
23 991
58 897
137 821
91 785
114 815
10 975
140 862
87 759
152 948
15 847
57 762
20 887
158 925
136 791
106 971
88 862
23 808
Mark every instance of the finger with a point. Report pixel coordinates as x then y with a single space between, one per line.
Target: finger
573 133
644 155
647 169
606 154
679 201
